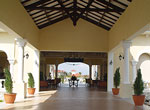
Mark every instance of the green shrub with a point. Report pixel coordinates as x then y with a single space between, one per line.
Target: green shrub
117 78
30 80
138 84
1 100
8 81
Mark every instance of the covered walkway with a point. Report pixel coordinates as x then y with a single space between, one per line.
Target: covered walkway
73 98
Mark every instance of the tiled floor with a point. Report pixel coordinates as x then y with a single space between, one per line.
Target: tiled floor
81 98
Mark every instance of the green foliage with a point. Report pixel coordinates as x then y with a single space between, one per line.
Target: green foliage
117 78
1 100
8 81
138 84
30 80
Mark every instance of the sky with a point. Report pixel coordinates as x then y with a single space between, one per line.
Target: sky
79 67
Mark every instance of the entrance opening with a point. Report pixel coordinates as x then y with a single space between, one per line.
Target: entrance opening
68 69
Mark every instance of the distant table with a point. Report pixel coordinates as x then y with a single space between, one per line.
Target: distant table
73 82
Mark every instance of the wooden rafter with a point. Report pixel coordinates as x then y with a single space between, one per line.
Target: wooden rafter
76 9
103 13
89 4
63 7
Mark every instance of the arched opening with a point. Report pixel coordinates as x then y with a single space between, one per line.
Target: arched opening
3 64
67 69
143 64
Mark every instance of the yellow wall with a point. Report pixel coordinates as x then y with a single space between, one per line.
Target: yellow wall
15 17
135 17
63 36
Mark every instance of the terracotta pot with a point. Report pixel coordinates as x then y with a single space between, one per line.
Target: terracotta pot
115 91
31 91
10 98
139 100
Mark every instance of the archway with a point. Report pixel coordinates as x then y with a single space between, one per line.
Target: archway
143 64
3 64
67 69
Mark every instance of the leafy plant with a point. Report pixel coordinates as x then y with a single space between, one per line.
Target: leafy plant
117 78
138 84
30 80
8 81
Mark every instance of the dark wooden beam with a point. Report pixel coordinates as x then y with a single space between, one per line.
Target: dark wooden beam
101 13
48 11
104 7
110 5
45 11
110 25
75 9
45 5
36 4
40 18
94 22
52 22
89 4
120 3
24 1
63 7
74 12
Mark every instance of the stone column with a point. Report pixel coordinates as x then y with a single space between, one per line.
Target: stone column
134 70
110 71
126 86
11 62
20 85
126 46
21 43
37 70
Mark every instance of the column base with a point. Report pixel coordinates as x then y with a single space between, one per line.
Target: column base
20 88
126 91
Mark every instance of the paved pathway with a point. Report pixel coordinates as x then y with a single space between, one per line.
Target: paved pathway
73 98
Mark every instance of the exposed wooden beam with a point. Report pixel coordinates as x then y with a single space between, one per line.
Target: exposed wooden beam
94 22
45 5
110 5
110 25
52 22
74 12
47 12
104 7
36 4
120 3
89 4
63 7
75 9
101 13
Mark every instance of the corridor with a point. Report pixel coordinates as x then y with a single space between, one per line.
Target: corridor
73 98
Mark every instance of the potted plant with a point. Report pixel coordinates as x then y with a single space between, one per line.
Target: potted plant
8 96
31 88
138 87
116 82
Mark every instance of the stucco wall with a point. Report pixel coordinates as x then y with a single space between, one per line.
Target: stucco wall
13 14
63 36
134 18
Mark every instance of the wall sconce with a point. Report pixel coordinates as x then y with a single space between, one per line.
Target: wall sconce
121 57
26 55
111 62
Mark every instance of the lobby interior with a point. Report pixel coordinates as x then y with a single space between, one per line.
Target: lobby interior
109 33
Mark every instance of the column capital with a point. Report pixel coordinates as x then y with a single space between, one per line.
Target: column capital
126 43
20 42
133 62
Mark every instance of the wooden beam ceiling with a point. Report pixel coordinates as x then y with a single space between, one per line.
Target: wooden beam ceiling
103 13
